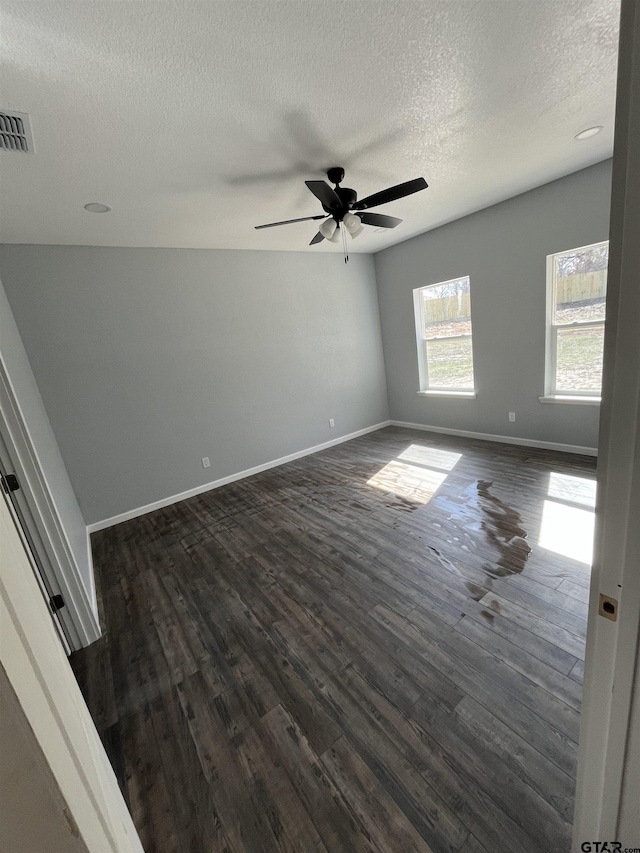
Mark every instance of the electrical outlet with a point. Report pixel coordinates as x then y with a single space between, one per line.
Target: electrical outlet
512 417
205 462
332 423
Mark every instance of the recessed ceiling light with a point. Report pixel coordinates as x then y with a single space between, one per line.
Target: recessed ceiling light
589 132
96 207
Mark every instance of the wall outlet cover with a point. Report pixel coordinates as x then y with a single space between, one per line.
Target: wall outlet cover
205 462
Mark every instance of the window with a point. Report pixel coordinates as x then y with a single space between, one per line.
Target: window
443 331
576 294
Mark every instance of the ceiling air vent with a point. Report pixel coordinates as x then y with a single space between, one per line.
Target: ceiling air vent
15 132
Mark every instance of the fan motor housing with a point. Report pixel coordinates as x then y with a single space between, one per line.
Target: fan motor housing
348 198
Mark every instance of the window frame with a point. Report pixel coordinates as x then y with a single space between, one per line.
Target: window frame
425 386
551 334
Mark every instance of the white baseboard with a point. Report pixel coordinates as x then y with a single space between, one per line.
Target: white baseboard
503 439
240 475
93 597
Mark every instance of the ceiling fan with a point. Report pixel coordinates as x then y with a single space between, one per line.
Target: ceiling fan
340 203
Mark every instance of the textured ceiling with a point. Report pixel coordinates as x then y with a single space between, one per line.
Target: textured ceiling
197 120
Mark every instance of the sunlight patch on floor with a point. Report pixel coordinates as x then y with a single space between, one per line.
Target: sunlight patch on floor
430 457
568 520
575 490
408 481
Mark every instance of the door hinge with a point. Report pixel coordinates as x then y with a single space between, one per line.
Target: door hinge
10 483
56 602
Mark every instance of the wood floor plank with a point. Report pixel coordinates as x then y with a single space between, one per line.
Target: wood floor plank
387 826
194 810
386 669
246 782
245 824
144 780
551 783
440 825
482 671
335 820
148 796
555 634
435 764
175 644
533 668
274 793
302 661
543 649
112 740
546 593
557 613
247 634
575 590
96 671
577 673
516 798
472 845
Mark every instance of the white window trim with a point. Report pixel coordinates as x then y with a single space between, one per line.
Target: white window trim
423 368
437 392
571 400
551 395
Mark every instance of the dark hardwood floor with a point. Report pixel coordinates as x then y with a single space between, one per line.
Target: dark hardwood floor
307 660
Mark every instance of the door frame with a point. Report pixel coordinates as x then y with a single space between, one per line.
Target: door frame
54 551
612 646
20 512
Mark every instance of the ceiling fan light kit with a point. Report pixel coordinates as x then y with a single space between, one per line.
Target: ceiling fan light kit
340 203
353 224
328 228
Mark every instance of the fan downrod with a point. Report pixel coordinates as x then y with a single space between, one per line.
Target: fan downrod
346 196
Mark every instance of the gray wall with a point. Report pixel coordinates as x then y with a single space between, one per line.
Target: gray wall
149 359
24 385
503 249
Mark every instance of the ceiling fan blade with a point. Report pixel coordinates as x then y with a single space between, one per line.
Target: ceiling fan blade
317 239
391 194
379 219
324 193
289 221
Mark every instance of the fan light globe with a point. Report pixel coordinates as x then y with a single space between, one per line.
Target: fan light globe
336 235
352 223
328 228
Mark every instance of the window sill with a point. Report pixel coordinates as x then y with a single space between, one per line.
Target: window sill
469 395
570 400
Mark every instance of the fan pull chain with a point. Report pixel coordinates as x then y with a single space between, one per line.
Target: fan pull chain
344 244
